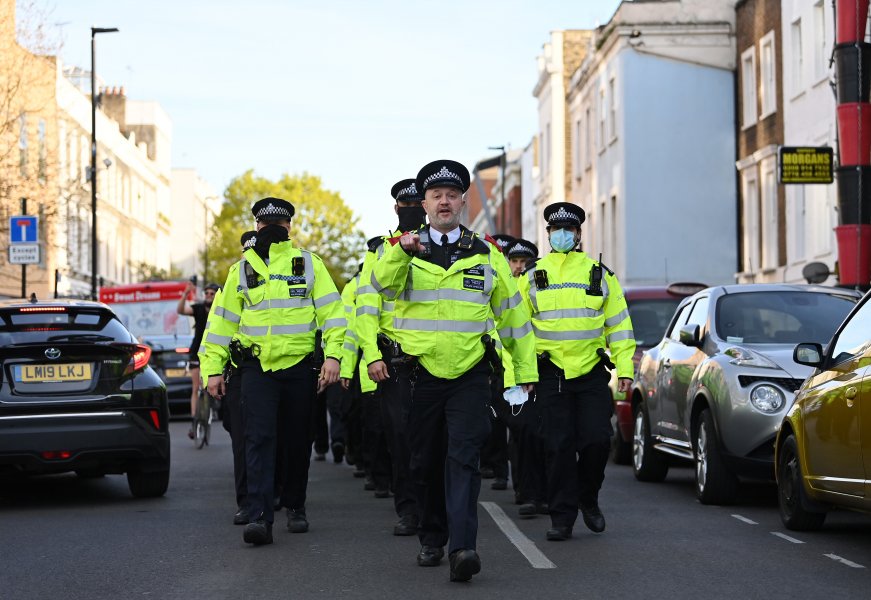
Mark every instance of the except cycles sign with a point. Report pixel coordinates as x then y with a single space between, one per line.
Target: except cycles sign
803 164
24 240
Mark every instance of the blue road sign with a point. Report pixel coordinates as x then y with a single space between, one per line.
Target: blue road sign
23 229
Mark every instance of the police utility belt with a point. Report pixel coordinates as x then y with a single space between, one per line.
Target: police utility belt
392 351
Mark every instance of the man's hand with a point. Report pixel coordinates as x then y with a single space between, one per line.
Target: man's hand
216 386
624 384
528 387
329 374
378 371
346 383
410 242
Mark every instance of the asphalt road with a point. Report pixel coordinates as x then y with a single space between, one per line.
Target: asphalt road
64 537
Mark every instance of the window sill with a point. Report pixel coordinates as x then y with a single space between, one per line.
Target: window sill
747 126
765 115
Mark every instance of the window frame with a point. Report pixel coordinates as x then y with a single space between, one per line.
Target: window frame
749 118
767 101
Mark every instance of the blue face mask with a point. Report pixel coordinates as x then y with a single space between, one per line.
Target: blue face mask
562 240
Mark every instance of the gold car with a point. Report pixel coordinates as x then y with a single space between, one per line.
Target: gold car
823 449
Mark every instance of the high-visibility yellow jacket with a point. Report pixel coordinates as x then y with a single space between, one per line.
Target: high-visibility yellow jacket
351 347
374 313
277 307
441 315
570 324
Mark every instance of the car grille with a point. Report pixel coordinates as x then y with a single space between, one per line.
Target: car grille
786 383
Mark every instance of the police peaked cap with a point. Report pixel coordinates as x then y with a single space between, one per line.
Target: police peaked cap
443 173
406 191
503 241
522 249
564 214
248 239
272 208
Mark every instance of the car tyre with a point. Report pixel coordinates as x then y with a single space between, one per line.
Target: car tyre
621 450
148 484
791 495
715 483
647 463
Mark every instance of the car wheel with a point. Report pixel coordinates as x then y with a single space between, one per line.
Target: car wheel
148 484
647 463
621 450
715 483
790 491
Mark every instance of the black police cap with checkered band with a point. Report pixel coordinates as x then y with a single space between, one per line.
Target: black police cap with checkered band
443 173
272 208
406 191
564 214
503 241
248 239
522 249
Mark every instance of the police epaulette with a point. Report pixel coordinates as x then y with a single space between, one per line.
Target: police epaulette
374 243
530 266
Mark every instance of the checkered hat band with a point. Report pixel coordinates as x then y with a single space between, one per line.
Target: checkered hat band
444 174
563 215
409 191
249 243
270 210
521 249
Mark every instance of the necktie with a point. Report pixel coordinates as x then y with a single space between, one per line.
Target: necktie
446 251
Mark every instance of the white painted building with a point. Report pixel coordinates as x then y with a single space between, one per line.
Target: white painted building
652 142
809 120
194 208
531 219
133 193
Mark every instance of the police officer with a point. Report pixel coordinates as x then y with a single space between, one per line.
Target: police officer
578 311
449 286
274 300
386 362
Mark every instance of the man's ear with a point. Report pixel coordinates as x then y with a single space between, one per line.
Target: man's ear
396 208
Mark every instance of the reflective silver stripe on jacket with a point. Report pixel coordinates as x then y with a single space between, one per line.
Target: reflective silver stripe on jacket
568 313
388 306
280 303
366 289
330 323
226 314
328 299
381 289
568 336
621 335
349 333
445 294
452 326
515 332
512 302
292 329
368 310
243 280
349 346
488 280
220 340
254 330
309 272
532 290
617 319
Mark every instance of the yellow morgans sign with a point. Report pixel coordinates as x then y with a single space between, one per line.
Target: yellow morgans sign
804 164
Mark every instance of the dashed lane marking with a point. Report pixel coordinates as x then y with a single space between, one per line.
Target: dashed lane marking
745 520
783 536
844 561
526 546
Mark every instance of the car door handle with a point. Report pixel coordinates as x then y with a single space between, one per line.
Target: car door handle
850 393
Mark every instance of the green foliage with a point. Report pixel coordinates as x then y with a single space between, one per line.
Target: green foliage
143 271
323 223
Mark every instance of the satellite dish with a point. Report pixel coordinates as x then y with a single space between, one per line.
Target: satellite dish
815 272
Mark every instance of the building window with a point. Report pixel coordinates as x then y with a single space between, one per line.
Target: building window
22 145
588 138
577 146
548 142
612 108
612 242
768 75
769 226
602 118
797 58
41 165
820 50
602 241
748 87
750 211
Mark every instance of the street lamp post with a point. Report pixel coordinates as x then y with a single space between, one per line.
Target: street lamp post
93 173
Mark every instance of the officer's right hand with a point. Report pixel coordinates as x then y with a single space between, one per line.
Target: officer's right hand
378 371
346 383
410 242
216 386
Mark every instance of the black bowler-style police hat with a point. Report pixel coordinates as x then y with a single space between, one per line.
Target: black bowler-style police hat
522 249
443 173
564 214
248 239
503 241
406 191
272 208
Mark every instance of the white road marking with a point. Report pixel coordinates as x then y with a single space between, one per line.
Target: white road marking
841 560
745 520
786 537
526 546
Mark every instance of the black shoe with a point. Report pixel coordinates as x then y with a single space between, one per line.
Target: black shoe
543 508
499 484
369 484
382 493
518 499
593 518
430 556
320 456
258 533
350 459
358 471
338 449
241 517
407 525
276 503
487 473
464 564
559 534
296 521
527 510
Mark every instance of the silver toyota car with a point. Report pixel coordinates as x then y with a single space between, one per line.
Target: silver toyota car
715 389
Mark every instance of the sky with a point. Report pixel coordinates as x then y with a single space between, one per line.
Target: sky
359 93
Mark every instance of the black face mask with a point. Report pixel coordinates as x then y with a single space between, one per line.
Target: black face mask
268 235
411 217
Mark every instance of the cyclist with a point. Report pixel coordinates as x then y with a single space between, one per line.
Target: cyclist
200 312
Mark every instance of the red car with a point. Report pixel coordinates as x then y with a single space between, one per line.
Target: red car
650 309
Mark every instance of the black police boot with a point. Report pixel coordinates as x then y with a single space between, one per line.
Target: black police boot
258 533
430 556
487 473
543 508
369 484
296 520
382 493
464 564
593 518
407 525
499 484
558 533
338 449
527 510
241 517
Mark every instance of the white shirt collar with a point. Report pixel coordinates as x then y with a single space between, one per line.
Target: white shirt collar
436 236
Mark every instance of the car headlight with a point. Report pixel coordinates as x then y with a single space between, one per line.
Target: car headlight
744 357
767 398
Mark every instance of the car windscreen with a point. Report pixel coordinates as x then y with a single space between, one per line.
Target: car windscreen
650 318
782 317
18 327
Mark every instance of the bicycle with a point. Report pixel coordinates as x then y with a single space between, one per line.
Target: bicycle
203 417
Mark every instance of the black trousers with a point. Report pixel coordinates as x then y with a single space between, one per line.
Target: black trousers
374 443
354 423
576 421
320 433
528 462
271 402
447 427
395 405
336 408
233 403
494 455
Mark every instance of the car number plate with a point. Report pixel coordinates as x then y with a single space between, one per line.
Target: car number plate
175 373
53 373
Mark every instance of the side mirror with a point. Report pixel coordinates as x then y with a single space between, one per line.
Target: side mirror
691 335
810 354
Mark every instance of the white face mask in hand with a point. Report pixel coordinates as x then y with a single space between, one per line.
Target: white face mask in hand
515 396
